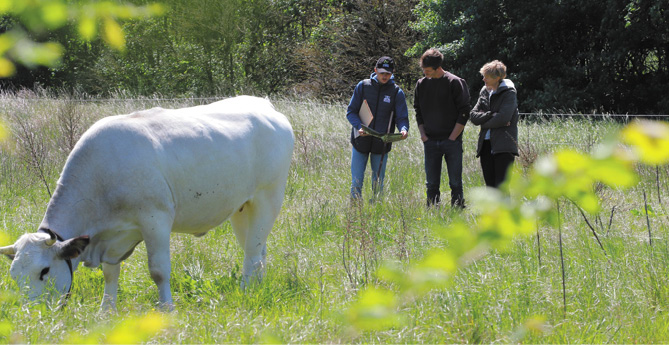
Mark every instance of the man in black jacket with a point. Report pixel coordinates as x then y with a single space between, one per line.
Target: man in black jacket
442 110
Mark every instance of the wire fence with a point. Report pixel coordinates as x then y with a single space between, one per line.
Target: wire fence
204 100
593 115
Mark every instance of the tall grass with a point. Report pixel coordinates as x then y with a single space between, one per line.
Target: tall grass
322 249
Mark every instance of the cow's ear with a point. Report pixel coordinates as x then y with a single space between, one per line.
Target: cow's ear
73 247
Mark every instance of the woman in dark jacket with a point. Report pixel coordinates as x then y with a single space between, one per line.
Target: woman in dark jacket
497 113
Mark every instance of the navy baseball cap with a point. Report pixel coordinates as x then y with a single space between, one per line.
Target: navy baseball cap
385 65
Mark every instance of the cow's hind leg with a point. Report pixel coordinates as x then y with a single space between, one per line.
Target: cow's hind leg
252 224
111 274
156 233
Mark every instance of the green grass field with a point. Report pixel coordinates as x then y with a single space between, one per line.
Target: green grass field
321 251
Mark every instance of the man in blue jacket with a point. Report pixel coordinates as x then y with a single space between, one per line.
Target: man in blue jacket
388 105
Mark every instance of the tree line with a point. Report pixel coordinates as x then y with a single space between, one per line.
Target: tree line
577 55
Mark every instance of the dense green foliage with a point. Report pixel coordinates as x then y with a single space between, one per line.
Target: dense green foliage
585 56
310 47
322 252
588 55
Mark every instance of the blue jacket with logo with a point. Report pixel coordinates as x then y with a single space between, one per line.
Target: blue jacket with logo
383 99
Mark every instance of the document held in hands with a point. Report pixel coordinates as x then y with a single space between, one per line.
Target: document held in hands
365 113
386 137
366 116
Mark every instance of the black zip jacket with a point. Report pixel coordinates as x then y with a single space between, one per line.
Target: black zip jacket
499 114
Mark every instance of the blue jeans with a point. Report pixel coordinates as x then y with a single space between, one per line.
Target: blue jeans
358 166
451 152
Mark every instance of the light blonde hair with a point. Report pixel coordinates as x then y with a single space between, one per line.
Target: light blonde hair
494 69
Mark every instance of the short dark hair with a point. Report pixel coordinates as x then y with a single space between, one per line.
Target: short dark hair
431 58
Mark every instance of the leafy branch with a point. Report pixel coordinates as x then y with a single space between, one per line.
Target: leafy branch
39 16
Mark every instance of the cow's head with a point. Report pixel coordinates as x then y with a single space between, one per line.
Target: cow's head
40 260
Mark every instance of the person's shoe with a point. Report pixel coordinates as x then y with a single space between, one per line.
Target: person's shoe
355 202
458 203
433 201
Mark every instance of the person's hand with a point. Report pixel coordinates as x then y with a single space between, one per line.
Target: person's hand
362 132
508 124
405 134
423 138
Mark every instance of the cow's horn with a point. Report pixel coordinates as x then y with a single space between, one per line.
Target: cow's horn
8 250
50 242
52 238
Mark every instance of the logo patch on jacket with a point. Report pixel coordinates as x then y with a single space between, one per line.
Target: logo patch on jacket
386 98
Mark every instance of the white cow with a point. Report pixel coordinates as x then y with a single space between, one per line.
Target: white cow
141 176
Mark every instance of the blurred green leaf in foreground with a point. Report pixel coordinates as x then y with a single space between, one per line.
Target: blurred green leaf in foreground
31 18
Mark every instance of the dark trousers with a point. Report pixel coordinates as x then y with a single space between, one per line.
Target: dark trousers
451 152
494 166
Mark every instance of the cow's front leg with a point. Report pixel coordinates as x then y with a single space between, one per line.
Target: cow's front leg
111 274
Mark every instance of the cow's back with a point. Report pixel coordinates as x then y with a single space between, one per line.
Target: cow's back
245 145
200 164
